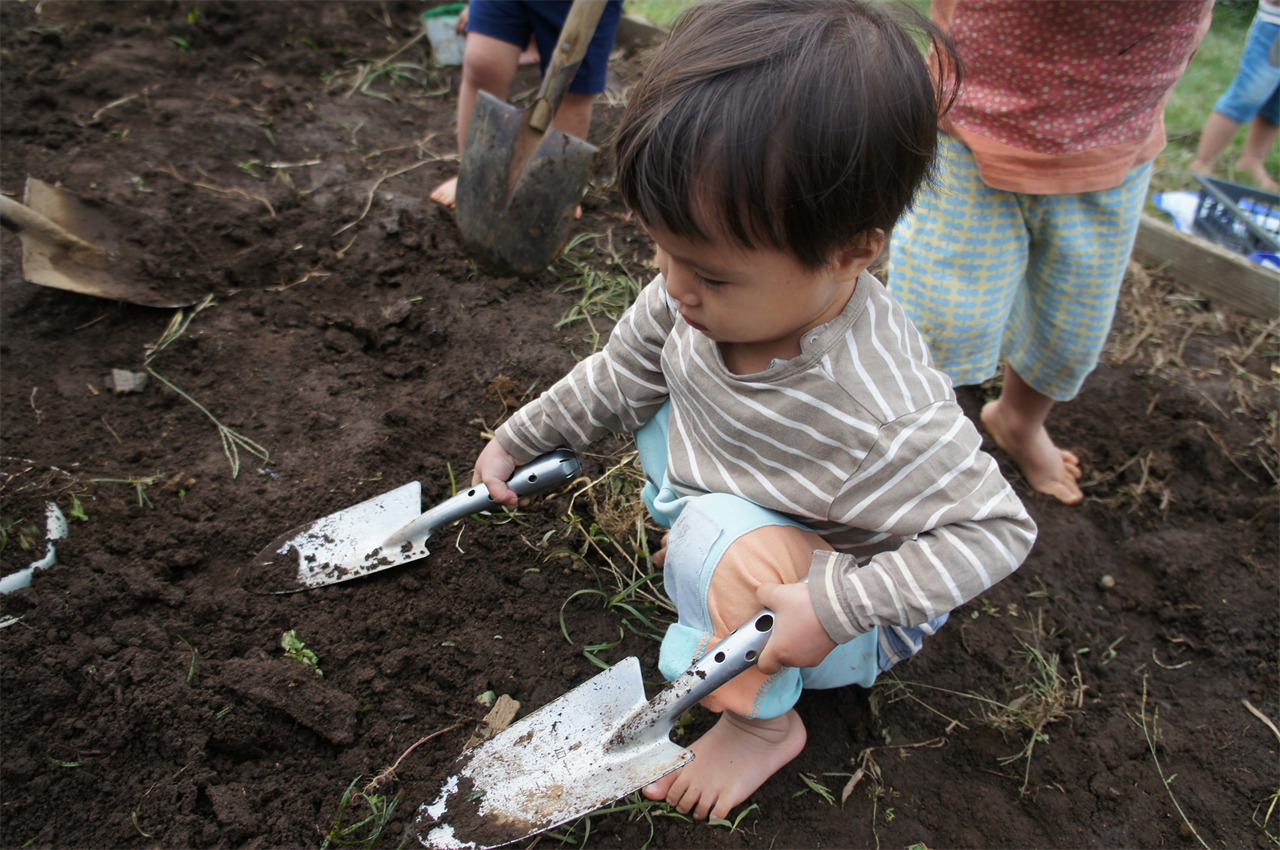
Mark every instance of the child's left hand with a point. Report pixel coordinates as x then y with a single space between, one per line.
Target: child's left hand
798 640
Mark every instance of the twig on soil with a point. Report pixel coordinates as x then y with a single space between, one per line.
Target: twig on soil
368 202
95 321
420 144
140 483
282 165
306 277
1109 475
1151 734
1160 663
1217 439
112 104
1271 328
1262 717
232 441
867 764
32 400
235 190
390 773
112 430
342 252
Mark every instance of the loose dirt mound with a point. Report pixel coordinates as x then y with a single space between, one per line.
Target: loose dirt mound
352 347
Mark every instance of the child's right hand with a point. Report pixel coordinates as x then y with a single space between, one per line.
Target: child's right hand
799 640
494 467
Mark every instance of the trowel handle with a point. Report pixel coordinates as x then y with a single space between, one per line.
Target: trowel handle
82 252
579 27
540 476
737 652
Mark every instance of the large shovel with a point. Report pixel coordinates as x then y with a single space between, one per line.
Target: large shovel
69 245
521 178
599 742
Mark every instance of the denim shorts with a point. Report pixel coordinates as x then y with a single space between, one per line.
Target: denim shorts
513 21
1256 87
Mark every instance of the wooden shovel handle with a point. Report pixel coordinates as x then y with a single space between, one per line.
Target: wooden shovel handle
575 36
85 253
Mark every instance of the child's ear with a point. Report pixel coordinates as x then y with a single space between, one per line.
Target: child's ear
855 259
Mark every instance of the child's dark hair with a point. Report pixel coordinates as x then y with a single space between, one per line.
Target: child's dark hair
800 125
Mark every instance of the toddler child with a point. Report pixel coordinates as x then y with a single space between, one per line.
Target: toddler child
788 419
1022 243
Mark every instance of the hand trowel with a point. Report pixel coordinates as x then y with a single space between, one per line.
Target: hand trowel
599 742
385 531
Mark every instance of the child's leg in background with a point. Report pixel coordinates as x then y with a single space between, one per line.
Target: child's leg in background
1250 99
497 33
958 264
1080 246
574 115
721 549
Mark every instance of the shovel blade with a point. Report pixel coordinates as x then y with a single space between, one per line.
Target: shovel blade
340 546
47 264
549 768
515 207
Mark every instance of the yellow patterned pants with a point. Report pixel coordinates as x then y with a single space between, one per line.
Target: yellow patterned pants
986 273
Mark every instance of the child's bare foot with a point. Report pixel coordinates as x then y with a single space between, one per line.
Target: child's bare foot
446 193
1048 468
733 760
1256 169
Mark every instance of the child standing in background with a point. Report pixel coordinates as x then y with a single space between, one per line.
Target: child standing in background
787 414
498 31
1019 252
1253 98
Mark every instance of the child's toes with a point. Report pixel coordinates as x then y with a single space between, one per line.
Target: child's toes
720 810
683 803
1072 465
658 790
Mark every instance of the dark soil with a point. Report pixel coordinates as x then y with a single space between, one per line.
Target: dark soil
147 701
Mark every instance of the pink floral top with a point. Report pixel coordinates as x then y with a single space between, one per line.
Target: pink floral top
1067 95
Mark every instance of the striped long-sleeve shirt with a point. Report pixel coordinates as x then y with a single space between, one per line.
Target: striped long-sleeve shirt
859 437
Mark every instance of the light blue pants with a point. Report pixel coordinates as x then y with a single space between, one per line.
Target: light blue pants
702 529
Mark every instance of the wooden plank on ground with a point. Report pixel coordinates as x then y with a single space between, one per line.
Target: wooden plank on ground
498 718
1209 269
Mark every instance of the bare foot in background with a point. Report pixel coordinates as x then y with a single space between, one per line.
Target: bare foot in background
1048 468
1258 171
446 193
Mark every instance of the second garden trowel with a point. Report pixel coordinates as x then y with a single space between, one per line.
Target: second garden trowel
385 531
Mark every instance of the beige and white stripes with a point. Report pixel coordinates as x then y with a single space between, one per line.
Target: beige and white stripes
859 437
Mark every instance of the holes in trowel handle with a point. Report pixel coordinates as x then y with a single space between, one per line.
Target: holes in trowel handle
532 478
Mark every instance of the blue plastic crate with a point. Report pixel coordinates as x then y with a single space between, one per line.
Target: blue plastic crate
1245 220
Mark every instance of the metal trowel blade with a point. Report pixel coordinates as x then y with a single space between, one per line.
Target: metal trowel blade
549 768
340 546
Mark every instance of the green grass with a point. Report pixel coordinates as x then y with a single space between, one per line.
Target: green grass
661 12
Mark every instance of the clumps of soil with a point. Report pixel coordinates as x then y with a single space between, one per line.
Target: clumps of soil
147 700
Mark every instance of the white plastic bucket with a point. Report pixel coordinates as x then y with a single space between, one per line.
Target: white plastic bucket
446 44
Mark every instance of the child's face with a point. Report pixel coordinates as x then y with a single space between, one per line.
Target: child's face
760 299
